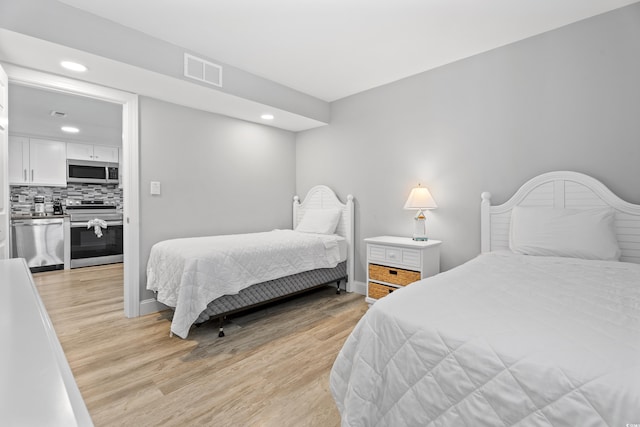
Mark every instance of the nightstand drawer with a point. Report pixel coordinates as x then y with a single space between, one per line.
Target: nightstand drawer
378 253
377 291
396 276
409 257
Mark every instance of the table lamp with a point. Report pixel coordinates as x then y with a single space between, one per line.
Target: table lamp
420 199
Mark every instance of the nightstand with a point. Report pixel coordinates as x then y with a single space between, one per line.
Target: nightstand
394 262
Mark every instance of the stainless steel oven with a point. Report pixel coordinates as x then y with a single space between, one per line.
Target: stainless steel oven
92 246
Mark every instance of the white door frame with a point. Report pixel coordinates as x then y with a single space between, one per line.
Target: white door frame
130 149
5 205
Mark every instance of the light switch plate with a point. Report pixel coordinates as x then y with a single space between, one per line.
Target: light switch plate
155 188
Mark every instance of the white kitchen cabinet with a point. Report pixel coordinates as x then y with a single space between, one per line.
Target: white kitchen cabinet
79 151
34 161
104 153
100 153
18 160
48 162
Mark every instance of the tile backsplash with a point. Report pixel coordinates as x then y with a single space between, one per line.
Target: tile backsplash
22 195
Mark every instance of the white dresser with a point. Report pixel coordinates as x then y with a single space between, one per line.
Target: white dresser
37 387
393 262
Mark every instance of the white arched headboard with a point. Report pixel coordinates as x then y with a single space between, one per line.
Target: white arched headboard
322 197
561 190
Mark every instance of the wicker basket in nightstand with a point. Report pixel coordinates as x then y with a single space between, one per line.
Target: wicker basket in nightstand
397 276
378 290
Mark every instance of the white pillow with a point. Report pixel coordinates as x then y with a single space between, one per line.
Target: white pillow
321 221
576 233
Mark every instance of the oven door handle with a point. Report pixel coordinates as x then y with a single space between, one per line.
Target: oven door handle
84 224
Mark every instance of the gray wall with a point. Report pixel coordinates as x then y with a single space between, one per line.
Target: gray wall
219 176
565 100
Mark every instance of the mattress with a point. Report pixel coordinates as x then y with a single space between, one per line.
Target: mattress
189 273
501 340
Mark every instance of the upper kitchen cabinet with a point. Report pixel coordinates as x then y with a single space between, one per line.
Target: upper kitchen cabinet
35 161
100 153
18 160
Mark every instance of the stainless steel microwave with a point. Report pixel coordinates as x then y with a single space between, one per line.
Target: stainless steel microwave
92 172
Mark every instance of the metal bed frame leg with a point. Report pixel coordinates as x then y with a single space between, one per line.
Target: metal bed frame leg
221 333
338 287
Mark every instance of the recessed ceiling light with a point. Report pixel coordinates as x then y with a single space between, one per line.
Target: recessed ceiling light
267 117
70 129
74 66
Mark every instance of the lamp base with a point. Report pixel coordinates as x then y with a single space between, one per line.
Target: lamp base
419 228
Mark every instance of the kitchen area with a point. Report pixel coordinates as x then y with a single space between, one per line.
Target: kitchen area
65 180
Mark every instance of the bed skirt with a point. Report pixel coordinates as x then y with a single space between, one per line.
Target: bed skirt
271 290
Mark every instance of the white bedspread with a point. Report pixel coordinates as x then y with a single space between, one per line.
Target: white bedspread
189 273
499 341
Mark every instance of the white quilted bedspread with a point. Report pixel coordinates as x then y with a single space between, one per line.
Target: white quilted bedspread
189 273
503 340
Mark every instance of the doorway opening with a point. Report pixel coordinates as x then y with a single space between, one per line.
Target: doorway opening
30 79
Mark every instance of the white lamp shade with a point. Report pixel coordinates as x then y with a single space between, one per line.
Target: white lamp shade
420 198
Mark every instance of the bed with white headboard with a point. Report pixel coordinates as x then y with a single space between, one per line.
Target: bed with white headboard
322 197
559 190
215 276
520 335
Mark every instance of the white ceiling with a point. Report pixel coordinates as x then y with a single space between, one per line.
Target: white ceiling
335 48
30 115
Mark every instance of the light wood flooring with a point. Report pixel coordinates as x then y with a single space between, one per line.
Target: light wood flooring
272 368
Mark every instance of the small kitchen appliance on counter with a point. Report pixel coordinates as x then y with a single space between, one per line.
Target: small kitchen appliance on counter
38 206
57 207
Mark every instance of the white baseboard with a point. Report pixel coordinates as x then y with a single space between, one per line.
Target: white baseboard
359 287
151 305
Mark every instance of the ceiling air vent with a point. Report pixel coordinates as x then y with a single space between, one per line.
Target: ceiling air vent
201 70
55 113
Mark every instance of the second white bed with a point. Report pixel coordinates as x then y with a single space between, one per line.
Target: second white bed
189 273
501 340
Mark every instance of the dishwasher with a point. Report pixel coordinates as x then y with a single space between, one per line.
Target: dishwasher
40 241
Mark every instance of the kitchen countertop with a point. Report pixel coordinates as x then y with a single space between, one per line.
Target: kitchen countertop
34 216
